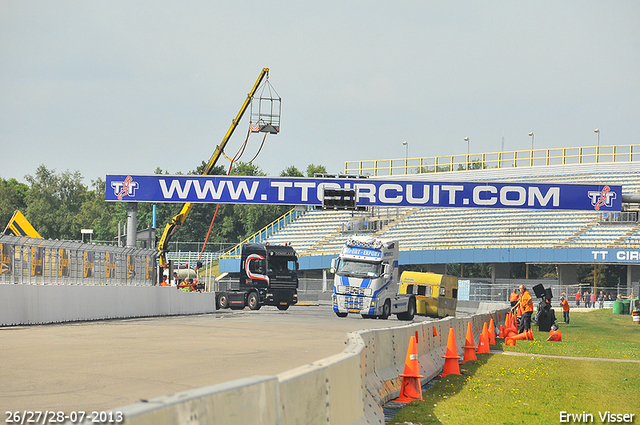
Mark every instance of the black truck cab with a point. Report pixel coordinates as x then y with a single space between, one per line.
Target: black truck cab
268 276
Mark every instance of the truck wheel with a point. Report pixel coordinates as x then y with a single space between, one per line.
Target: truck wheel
342 314
386 310
253 300
283 307
411 311
223 300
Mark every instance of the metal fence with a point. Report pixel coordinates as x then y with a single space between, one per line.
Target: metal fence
305 285
506 159
483 290
30 261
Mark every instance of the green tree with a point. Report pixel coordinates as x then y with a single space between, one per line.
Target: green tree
98 214
13 196
53 201
316 169
291 171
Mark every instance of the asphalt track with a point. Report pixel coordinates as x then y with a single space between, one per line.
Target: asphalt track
106 364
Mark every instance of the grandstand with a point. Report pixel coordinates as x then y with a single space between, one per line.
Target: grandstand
451 235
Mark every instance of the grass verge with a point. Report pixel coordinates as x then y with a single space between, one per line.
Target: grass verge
504 389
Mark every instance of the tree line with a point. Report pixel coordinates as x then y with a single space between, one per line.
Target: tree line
59 204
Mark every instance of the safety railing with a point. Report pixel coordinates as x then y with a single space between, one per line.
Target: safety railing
24 260
507 159
265 232
484 289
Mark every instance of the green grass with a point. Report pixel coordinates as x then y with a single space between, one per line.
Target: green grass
507 389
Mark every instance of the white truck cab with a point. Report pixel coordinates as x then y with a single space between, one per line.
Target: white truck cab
366 280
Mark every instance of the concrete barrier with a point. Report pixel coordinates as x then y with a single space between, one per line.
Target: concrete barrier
348 388
41 304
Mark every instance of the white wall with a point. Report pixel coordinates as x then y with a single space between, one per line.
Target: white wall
39 304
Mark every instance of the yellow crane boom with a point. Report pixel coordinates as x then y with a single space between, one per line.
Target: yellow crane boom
178 219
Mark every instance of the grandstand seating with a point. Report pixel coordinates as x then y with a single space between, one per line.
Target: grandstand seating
324 231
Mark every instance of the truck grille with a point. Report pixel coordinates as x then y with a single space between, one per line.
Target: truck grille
353 302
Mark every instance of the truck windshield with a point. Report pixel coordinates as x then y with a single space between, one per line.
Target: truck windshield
282 265
358 269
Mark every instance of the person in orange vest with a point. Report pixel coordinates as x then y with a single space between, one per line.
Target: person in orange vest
565 309
514 298
164 281
525 305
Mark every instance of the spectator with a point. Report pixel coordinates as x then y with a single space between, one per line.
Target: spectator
565 309
577 295
525 305
514 298
593 299
601 299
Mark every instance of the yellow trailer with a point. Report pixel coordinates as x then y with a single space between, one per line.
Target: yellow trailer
436 294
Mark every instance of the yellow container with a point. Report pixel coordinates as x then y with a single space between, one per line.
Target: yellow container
436 294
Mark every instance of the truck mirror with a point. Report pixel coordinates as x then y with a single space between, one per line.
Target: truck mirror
333 265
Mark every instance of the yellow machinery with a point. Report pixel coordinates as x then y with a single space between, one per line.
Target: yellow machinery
20 226
436 294
267 122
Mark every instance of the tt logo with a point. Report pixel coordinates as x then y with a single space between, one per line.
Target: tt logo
126 188
603 198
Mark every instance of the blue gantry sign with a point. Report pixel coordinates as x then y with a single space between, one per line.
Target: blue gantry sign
370 192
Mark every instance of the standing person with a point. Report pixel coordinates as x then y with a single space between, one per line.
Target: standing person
525 305
601 299
577 295
587 298
593 299
565 309
514 298
164 281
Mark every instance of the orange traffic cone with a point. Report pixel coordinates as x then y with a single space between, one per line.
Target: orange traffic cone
483 344
411 387
451 356
555 336
469 346
492 332
501 333
509 333
510 341
435 333
530 335
509 322
520 337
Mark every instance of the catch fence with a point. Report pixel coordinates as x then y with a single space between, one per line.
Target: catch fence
32 261
483 290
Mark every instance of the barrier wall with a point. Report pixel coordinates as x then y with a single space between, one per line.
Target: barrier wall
39 304
348 388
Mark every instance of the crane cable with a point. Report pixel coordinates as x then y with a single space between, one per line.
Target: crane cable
232 161
261 145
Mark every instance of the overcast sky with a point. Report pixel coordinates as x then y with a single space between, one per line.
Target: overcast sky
123 87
